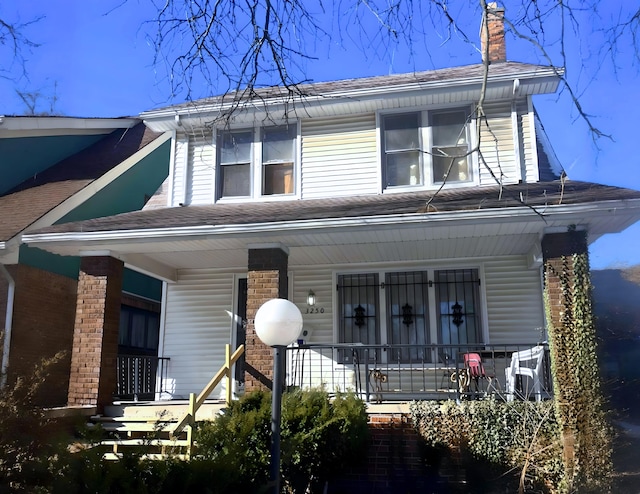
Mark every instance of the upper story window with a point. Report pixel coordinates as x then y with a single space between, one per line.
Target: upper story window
424 148
256 162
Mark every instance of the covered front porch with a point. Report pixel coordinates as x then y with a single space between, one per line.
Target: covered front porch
480 266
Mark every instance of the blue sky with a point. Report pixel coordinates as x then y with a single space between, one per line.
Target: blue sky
97 58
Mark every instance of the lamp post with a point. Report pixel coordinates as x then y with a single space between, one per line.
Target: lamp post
278 323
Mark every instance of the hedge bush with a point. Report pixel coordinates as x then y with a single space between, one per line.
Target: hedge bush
519 439
319 438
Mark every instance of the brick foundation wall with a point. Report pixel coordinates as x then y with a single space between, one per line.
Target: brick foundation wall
43 319
95 339
394 461
267 279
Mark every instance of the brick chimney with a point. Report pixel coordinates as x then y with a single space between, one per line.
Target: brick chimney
495 19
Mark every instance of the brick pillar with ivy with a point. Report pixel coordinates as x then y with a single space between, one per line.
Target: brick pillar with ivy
267 279
572 341
92 381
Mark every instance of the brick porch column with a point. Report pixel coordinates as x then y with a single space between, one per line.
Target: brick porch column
95 338
556 248
267 279
572 341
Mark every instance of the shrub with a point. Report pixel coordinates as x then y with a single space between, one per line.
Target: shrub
27 438
239 439
519 437
319 438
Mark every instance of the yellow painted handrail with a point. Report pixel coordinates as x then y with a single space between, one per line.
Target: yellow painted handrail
195 403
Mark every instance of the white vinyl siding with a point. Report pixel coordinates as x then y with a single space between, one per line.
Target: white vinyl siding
201 167
339 157
525 118
499 156
178 192
197 327
513 293
514 301
317 320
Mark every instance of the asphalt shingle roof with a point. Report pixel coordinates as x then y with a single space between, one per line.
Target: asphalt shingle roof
459 199
330 88
30 200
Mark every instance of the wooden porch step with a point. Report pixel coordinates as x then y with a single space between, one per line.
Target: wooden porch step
131 418
146 456
148 427
156 443
167 410
154 448
130 427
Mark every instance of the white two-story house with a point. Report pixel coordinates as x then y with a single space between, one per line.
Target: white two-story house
406 226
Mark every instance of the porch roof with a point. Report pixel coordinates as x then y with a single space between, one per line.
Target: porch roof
372 228
537 196
31 200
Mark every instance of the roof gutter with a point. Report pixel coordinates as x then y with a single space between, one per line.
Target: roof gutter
408 219
27 126
6 345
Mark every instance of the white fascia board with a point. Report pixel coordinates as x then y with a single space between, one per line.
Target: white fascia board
10 252
137 262
81 196
568 213
552 74
58 126
145 265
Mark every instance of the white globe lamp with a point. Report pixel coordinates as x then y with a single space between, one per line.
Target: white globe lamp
278 322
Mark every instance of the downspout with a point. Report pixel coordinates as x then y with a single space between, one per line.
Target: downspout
6 346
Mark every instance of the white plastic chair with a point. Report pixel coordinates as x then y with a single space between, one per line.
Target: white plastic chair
526 363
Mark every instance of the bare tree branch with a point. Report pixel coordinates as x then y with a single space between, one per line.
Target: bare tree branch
224 46
18 44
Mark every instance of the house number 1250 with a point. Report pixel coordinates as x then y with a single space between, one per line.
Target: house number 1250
315 310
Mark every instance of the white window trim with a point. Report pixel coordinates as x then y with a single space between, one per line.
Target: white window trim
256 165
425 145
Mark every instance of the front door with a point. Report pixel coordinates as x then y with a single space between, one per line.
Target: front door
241 328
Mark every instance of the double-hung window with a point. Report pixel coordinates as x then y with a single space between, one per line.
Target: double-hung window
278 151
426 148
256 162
450 146
402 150
234 176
